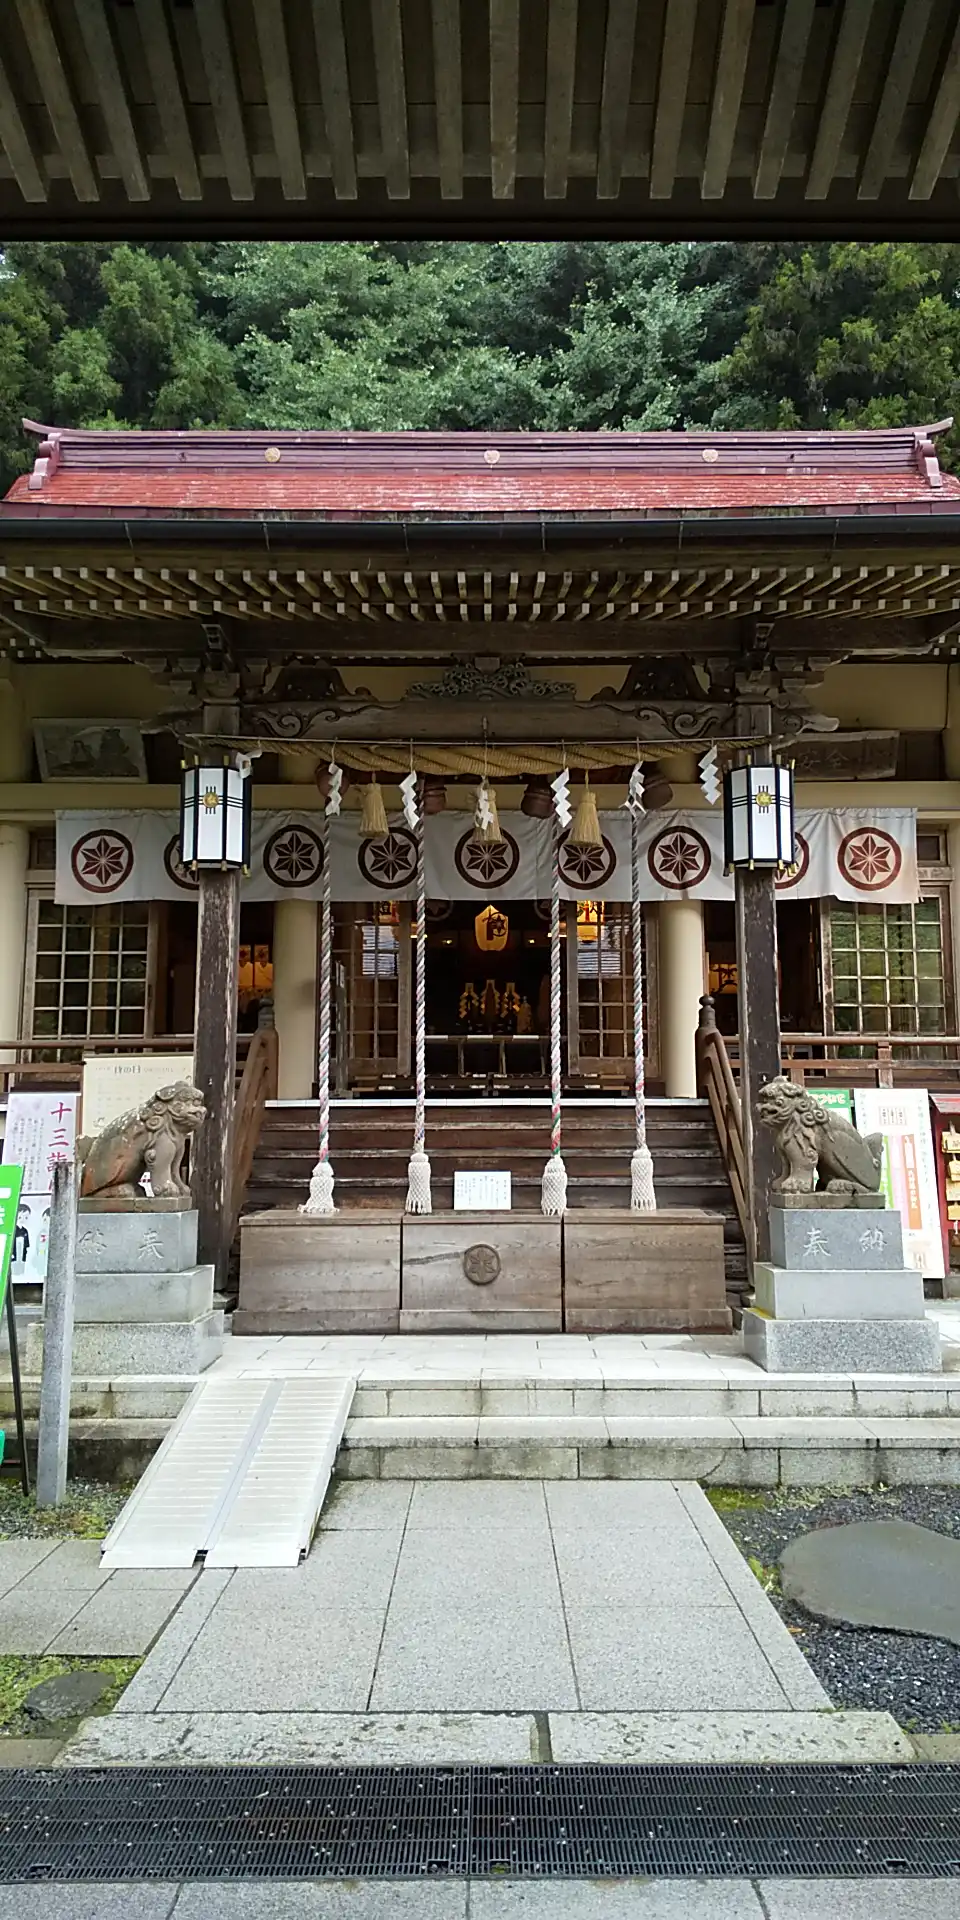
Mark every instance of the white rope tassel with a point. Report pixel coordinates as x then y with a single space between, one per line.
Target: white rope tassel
418 1170
553 1194
643 1199
321 1180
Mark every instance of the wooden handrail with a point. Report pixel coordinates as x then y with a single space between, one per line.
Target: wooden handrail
258 1085
716 1083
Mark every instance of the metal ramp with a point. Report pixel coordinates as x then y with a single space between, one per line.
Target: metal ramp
240 1477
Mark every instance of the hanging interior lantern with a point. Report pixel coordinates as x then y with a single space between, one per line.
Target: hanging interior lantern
216 808
486 830
374 824
589 919
657 790
585 831
492 929
537 802
434 794
758 822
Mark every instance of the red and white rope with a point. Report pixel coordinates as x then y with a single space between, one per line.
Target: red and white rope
418 1171
322 1178
553 1197
643 1198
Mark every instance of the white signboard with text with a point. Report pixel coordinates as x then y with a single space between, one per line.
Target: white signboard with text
114 1083
909 1180
41 1129
481 1192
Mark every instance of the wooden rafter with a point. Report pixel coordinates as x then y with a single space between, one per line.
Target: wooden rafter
392 96
782 99
168 92
213 31
558 110
335 96
734 47
504 95
844 72
679 22
94 24
907 48
24 157
448 95
57 92
281 99
941 126
615 95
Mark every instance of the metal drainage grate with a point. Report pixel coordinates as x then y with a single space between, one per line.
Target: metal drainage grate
303 1823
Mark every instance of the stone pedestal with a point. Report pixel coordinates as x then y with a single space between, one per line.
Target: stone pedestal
143 1305
836 1296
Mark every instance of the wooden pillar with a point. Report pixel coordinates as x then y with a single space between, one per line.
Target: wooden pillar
758 998
218 929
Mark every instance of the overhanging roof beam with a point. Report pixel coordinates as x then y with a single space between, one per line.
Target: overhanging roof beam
618 53
392 96
784 92
907 49
504 95
558 106
281 99
58 97
335 96
679 22
844 72
23 156
941 126
735 33
168 93
102 54
216 48
448 95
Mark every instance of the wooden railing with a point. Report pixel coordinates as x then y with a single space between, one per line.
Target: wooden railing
716 1083
33 1063
258 1085
866 1059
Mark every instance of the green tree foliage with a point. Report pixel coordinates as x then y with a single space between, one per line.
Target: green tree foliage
496 336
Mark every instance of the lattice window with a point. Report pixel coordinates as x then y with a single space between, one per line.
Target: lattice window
889 967
89 970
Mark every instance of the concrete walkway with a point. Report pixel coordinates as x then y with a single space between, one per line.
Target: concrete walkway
493 1621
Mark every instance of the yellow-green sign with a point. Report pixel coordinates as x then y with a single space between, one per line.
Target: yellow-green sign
11 1180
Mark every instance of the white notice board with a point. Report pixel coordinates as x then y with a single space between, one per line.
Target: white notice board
41 1129
909 1179
481 1192
114 1083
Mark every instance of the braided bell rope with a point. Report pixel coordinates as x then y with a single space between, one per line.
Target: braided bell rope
418 1170
322 1178
553 1196
643 1198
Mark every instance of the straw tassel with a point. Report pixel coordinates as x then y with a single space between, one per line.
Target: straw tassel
374 824
585 831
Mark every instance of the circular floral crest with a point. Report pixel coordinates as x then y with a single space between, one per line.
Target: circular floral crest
869 859
180 875
589 867
389 863
679 858
102 861
486 867
787 881
293 857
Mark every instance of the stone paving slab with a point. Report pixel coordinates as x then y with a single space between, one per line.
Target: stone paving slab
114 1902
621 1738
308 1739
286 1657
146 1689
441 1657
116 1622
350 1900
671 1658
20 1557
490 1900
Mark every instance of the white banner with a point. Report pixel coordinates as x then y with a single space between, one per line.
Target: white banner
847 853
909 1178
41 1129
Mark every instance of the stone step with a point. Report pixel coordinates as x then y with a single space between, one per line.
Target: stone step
742 1451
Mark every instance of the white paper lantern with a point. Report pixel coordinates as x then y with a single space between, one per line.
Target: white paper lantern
216 804
758 824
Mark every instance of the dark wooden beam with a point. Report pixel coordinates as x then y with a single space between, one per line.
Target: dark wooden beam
738 18
941 125
618 52
504 95
558 107
844 72
448 95
23 155
679 22
905 58
782 98
94 24
755 907
281 99
215 1063
55 86
392 96
168 94
335 96
213 32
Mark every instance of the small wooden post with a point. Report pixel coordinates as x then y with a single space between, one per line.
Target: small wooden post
758 997
215 1069
53 1438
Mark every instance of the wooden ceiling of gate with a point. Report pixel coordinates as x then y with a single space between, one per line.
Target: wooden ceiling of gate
458 117
881 606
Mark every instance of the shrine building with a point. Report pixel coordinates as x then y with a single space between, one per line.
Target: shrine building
330 613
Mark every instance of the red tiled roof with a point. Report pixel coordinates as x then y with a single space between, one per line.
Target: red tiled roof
334 475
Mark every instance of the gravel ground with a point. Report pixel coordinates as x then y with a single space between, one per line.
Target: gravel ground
88 1513
911 1676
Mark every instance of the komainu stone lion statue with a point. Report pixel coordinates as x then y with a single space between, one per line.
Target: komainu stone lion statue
149 1139
812 1139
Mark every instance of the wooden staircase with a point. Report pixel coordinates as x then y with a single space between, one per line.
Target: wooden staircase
371 1140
